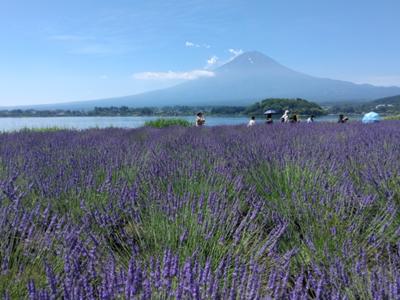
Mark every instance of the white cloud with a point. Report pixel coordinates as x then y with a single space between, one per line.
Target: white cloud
194 45
212 61
170 75
190 44
235 52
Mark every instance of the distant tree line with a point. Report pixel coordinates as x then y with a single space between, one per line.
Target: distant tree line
178 110
299 106
40 113
389 105
126 111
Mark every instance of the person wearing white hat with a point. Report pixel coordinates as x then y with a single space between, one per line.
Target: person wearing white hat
285 117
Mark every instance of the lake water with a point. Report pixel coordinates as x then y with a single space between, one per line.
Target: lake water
11 124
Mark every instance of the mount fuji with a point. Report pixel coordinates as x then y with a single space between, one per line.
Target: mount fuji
250 77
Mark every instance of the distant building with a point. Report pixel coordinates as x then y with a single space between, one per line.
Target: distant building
383 105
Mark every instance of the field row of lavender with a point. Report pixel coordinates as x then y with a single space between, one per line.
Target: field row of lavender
281 212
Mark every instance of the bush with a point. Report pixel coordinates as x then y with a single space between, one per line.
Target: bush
41 129
395 117
162 123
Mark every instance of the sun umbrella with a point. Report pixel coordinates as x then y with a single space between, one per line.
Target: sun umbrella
371 117
270 111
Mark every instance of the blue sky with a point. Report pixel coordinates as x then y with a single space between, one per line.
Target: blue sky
58 51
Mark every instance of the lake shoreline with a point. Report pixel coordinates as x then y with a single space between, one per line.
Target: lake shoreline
13 124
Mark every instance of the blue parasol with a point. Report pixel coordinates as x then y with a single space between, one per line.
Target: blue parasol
371 117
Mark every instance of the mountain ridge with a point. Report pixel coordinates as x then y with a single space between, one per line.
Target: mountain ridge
249 77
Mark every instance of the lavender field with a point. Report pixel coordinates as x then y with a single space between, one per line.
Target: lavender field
227 212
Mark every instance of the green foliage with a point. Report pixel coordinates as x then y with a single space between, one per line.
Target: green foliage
43 129
122 111
395 117
388 105
299 106
162 123
227 110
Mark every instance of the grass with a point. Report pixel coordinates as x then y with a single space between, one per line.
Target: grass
41 129
162 123
392 118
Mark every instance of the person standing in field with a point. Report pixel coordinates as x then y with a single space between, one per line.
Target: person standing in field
252 121
310 119
294 118
342 119
200 120
268 119
285 117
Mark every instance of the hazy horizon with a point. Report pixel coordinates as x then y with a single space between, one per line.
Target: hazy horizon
73 51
